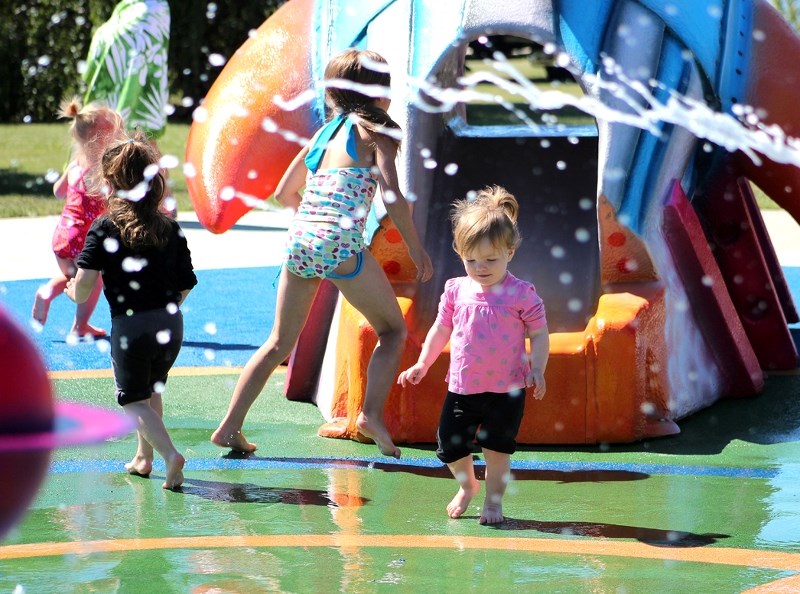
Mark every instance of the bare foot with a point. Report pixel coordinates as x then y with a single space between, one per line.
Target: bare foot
88 330
378 433
140 466
174 472
492 513
233 440
41 306
460 503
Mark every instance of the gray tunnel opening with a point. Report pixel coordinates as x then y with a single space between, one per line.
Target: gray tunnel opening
551 169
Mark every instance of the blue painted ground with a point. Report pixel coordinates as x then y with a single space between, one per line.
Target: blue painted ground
227 317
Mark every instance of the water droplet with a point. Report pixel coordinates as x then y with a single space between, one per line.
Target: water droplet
574 305
227 194
169 162
216 59
131 264
200 115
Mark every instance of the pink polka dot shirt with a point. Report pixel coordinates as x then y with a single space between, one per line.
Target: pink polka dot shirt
487 344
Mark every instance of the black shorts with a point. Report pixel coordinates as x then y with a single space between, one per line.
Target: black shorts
143 348
490 419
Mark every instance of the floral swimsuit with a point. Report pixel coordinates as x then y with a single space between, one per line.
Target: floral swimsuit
328 227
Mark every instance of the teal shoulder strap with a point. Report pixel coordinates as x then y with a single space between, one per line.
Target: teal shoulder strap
328 131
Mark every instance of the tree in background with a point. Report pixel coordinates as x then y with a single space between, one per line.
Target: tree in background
789 9
46 43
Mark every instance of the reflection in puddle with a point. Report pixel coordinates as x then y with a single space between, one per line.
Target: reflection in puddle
250 493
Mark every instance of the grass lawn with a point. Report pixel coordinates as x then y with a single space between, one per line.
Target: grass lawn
32 157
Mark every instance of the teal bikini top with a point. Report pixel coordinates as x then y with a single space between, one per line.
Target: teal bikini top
328 131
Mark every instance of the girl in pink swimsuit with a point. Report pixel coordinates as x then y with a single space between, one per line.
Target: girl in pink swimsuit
94 126
340 168
486 316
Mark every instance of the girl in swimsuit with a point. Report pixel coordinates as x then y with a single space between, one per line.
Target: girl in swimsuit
341 167
94 126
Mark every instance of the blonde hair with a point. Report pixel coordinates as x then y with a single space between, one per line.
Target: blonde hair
353 65
131 169
491 215
93 127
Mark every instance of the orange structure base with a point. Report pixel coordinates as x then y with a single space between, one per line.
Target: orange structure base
593 396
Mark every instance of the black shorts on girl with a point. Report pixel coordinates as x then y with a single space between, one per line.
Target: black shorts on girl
143 348
490 419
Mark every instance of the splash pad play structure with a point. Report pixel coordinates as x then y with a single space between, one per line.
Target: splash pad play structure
642 233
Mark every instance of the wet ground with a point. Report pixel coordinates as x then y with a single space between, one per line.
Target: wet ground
714 509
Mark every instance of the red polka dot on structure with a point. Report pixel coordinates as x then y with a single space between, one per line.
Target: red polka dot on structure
616 239
393 236
391 268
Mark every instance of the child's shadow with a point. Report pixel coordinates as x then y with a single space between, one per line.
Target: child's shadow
249 493
523 474
651 536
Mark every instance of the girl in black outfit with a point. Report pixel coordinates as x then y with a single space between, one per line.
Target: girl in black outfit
147 273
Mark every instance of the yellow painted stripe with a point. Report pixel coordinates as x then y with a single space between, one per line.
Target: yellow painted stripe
711 555
174 372
788 585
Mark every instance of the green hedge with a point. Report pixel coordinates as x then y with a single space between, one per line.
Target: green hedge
46 40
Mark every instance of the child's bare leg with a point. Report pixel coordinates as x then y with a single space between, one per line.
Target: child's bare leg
295 296
371 294
142 462
54 287
83 312
44 297
250 384
380 379
464 472
151 427
498 473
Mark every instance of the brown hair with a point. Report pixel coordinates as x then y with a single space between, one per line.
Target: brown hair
137 187
491 215
93 127
353 65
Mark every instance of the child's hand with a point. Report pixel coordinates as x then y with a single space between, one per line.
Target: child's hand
536 381
424 265
412 375
69 290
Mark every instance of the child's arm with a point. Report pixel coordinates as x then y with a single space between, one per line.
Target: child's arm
60 187
287 192
80 286
435 341
398 208
540 352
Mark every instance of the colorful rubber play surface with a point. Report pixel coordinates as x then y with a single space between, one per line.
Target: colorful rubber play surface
714 509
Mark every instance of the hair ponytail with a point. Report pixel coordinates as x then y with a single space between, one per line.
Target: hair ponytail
135 200
353 65
491 215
